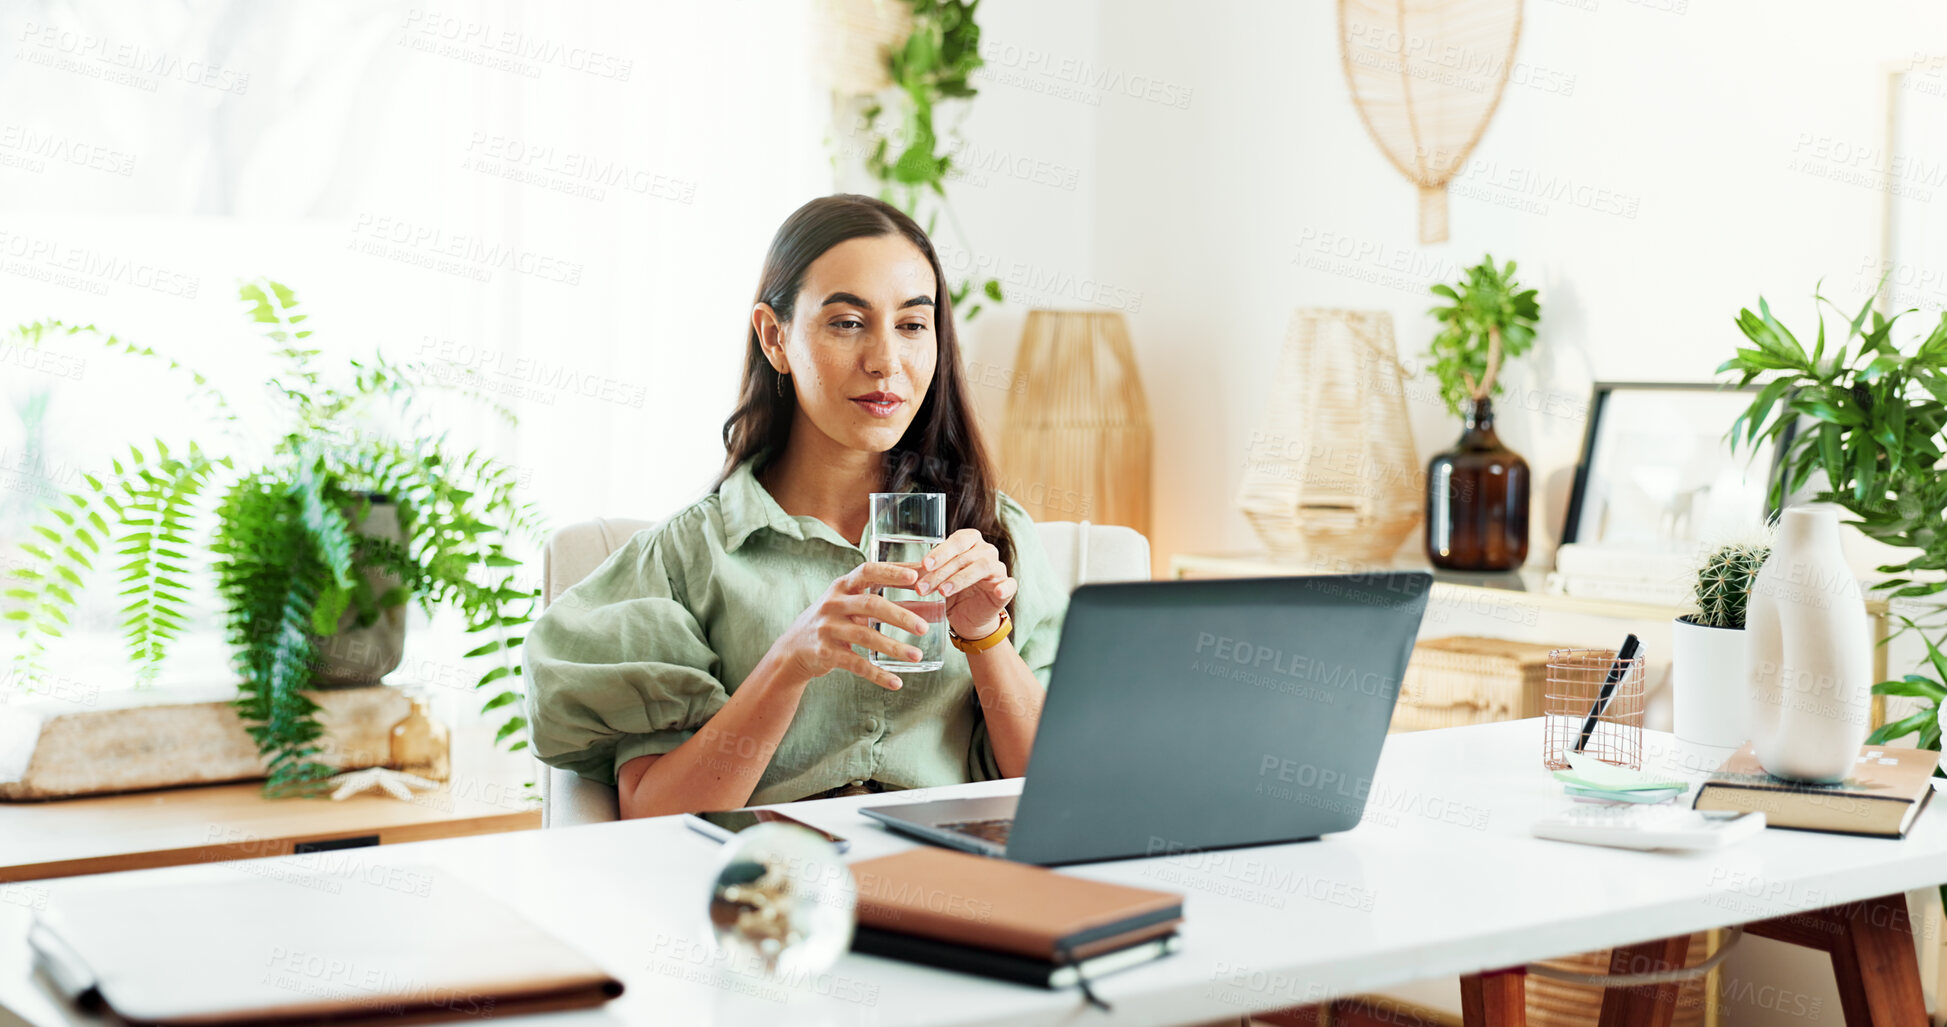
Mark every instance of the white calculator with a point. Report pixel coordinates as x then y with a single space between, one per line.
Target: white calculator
1649 827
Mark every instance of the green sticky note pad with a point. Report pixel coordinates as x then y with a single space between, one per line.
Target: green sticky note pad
1589 772
1639 795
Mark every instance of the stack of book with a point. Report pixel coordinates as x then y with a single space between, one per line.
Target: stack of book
1887 788
1657 577
1008 920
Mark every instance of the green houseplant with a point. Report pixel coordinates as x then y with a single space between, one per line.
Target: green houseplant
280 524
1869 417
905 151
1709 657
1477 492
1488 320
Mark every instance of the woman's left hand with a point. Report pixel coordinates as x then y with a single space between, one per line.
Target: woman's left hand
968 572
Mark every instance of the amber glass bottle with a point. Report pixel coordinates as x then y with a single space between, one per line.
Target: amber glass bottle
1477 500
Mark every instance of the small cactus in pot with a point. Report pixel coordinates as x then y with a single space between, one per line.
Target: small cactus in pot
1710 667
1724 584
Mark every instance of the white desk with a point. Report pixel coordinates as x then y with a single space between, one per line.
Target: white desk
1440 879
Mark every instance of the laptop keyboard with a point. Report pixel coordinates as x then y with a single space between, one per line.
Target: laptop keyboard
994 830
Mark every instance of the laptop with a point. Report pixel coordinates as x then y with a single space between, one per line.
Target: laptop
1185 716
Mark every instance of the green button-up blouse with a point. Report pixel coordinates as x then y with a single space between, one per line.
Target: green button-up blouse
631 661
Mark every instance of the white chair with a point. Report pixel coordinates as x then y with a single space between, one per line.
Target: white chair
1079 552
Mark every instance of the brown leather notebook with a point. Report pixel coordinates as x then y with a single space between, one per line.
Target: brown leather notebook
273 945
1886 790
1007 907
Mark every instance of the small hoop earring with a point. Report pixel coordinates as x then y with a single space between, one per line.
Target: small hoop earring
779 383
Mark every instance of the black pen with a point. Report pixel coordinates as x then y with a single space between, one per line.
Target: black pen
1630 647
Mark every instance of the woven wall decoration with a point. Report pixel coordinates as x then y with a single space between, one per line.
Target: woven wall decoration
1331 473
1076 442
1426 76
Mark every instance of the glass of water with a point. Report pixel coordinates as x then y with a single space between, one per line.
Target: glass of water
905 526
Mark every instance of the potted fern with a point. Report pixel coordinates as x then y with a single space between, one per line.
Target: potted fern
318 536
1709 659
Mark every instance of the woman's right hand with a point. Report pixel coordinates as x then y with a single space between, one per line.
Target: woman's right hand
821 639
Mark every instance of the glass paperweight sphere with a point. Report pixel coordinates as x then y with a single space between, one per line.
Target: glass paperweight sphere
782 901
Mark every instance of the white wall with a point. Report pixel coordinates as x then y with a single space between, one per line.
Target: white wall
1700 146
1266 194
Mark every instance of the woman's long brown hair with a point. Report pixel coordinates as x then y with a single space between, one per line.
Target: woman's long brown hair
942 450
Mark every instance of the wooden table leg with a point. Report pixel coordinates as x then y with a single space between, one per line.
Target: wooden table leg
1296 1016
1871 944
1651 1005
1495 998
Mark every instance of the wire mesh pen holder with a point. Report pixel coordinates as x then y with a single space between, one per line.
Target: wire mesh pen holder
1573 691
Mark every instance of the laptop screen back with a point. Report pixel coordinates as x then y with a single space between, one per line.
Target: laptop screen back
1192 715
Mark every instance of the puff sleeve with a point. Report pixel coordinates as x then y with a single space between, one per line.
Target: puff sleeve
618 667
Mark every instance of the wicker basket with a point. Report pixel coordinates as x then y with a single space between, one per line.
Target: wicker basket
1453 682
1553 1003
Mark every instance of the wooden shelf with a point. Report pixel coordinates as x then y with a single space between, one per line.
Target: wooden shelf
1526 586
175 826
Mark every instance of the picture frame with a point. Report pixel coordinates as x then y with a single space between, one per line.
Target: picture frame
1655 472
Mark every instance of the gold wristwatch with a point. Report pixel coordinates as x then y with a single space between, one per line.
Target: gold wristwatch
979 645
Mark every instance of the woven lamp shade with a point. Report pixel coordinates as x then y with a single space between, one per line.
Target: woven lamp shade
852 39
1076 442
1425 77
1331 471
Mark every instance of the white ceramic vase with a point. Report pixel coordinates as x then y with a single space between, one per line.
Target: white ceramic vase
1710 673
1811 660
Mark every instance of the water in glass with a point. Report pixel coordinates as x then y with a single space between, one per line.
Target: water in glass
931 645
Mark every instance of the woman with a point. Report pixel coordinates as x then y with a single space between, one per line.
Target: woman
710 662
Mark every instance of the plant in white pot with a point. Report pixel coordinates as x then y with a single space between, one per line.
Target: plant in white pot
1710 655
